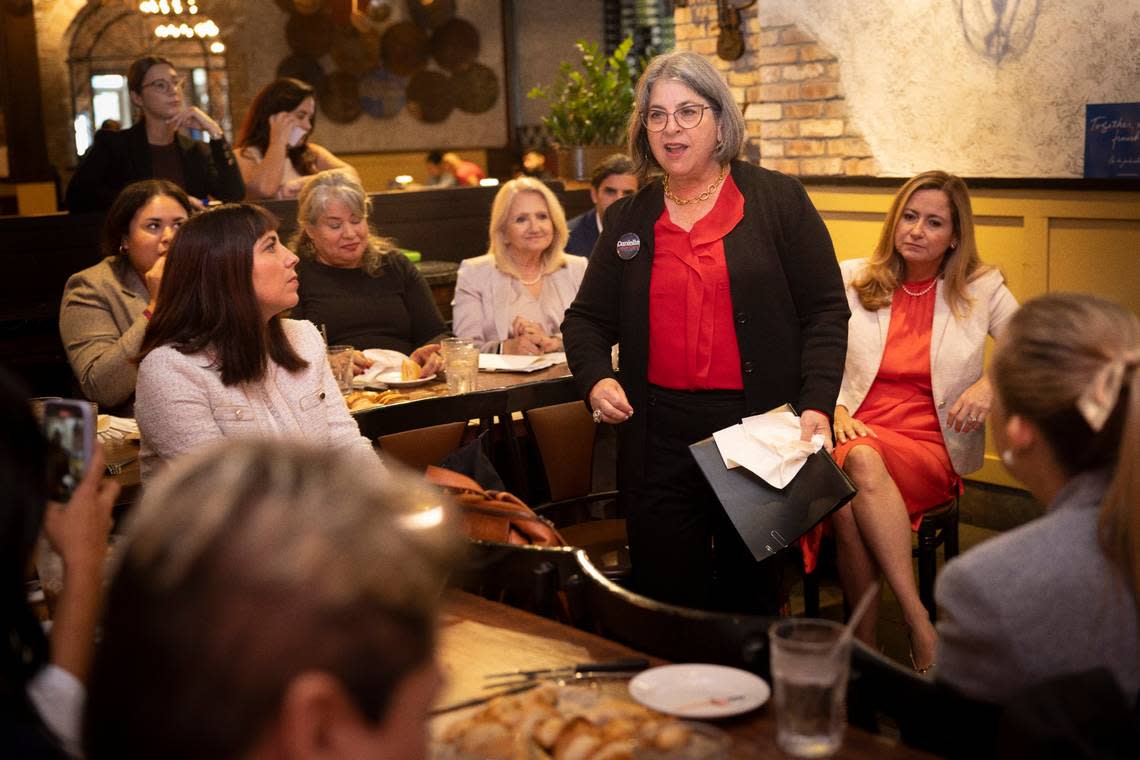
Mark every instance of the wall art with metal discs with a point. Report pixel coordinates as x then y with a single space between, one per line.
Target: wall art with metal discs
385 57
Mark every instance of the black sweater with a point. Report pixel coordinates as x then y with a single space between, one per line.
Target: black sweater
393 310
787 294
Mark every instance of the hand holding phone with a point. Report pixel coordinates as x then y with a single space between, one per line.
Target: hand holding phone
69 427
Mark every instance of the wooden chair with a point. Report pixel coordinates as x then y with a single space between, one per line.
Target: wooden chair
419 448
939 528
565 435
664 630
526 577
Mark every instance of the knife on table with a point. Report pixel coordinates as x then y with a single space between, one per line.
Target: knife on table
628 663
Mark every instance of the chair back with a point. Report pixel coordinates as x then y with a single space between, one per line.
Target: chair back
524 576
424 446
564 434
665 630
928 715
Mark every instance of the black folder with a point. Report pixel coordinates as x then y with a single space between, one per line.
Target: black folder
769 518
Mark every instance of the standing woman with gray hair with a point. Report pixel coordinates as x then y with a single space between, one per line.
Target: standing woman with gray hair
720 283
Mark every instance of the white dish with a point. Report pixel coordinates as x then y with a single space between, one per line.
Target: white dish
699 691
391 378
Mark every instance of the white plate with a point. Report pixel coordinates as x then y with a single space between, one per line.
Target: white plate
391 378
688 690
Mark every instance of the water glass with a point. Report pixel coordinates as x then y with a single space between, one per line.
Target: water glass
448 345
340 361
462 366
809 678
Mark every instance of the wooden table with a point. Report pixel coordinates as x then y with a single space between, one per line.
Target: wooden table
478 636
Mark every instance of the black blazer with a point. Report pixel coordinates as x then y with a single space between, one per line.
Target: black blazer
119 158
787 294
583 233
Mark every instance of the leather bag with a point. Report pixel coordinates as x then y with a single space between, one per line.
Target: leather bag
494 515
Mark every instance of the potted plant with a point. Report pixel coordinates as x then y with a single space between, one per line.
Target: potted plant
589 106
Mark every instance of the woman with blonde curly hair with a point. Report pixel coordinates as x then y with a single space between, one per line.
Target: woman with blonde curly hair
909 421
511 300
357 284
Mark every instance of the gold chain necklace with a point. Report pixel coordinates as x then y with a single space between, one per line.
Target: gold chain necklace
703 196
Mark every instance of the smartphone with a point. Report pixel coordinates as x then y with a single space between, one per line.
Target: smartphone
69 427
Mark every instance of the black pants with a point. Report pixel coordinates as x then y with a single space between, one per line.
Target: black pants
682 546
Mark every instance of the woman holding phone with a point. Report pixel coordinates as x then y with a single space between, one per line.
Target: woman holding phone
273 146
42 681
219 361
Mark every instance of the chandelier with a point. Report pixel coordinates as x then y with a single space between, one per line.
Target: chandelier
182 19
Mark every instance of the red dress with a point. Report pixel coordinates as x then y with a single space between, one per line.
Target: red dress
899 407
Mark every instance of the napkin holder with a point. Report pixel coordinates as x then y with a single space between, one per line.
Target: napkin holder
769 519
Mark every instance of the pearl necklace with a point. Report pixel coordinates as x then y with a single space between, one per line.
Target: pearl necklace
528 283
922 292
702 197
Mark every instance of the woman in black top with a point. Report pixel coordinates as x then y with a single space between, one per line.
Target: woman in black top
363 291
153 147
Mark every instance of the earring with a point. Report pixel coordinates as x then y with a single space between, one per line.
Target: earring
953 246
1007 458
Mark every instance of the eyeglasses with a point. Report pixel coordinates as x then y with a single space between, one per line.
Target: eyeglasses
166 86
686 117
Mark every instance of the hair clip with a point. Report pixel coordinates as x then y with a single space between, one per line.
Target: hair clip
1101 394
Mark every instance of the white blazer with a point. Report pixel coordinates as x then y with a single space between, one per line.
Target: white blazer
957 352
483 294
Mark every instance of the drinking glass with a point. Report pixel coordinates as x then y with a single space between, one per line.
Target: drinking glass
340 361
448 345
809 678
462 366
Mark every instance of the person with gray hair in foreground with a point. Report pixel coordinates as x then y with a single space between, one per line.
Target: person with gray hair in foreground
272 600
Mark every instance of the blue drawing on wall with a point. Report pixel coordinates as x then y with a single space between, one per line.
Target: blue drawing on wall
1112 140
999 29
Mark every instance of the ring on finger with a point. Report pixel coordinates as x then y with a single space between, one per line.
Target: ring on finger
597 416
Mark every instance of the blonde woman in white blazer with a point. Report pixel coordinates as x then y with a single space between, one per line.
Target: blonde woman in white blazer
912 406
511 300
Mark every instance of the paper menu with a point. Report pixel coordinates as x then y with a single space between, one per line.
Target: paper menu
518 362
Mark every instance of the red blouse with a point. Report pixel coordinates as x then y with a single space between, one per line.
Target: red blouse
692 336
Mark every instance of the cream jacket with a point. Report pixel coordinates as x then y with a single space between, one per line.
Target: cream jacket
481 310
957 350
181 403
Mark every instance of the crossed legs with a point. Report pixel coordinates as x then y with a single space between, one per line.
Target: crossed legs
872 536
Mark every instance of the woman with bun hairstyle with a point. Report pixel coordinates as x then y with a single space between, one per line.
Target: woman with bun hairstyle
219 361
273 146
1056 596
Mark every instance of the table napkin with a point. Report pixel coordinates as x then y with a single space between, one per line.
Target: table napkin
768 445
383 360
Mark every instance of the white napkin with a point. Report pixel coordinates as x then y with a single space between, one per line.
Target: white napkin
383 360
767 445
519 362
111 428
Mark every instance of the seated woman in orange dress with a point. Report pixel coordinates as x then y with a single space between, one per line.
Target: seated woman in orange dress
911 412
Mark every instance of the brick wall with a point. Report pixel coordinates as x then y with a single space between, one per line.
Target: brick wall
789 89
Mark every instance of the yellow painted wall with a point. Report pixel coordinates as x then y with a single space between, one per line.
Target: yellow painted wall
1043 240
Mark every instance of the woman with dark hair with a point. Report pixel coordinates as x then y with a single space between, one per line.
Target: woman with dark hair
273 147
910 418
1057 596
153 147
105 308
42 684
719 281
218 361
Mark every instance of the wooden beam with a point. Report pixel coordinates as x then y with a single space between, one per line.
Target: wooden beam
20 99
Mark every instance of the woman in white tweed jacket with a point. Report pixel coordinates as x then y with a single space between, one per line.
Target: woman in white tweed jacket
219 361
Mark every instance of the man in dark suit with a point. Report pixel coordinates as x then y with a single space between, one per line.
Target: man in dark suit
613 178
